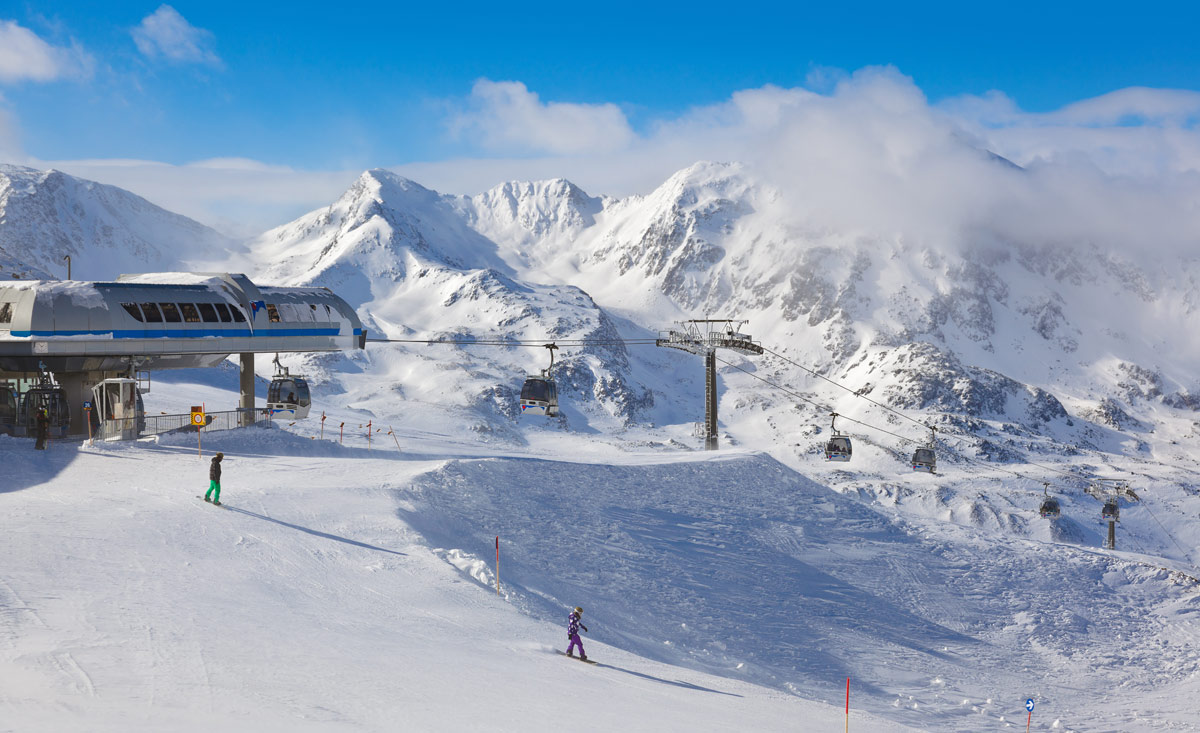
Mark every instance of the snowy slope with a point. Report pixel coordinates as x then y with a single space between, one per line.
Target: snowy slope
352 589
47 215
308 604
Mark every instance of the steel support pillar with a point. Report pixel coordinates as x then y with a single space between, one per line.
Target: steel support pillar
246 385
78 388
1112 535
710 400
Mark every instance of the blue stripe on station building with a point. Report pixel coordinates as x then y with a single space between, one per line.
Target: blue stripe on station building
190 333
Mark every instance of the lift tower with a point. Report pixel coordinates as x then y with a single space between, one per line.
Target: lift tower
703 337
1109 491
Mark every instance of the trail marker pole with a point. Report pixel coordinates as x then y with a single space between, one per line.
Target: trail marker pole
198 422
1029 707
497 564
368 435
848 705
87 414
322 425
392 432
341 432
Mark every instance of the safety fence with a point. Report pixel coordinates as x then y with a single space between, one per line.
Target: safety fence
131 428
362 435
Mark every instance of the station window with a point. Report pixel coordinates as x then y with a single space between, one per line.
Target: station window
170 312
133 310
190 314
238 315
208 313
6 312
316 314
273 313
150 310
223 312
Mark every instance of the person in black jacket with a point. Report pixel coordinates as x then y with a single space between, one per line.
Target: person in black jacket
43 429
214 480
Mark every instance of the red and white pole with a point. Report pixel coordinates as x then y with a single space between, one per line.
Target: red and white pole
847 705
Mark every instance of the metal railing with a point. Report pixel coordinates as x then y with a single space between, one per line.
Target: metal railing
131 428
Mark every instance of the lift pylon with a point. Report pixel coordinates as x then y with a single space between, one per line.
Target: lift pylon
703 337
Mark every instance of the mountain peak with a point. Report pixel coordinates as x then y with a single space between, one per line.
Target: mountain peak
47 215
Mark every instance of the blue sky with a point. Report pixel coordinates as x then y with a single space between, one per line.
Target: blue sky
320 85
339 88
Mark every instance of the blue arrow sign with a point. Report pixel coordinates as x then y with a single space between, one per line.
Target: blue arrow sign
1029 704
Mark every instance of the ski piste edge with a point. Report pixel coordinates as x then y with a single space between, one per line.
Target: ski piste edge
201 498
585 661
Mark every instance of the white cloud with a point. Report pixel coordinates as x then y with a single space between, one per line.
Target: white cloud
505 116
872 156
26 57
167 34
868 156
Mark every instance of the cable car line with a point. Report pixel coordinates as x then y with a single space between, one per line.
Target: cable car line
516 342
856 393
933 443
1166 531
814 403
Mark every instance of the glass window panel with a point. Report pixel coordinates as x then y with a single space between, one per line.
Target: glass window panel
151 312
133 310
223 312
190 314
170 313
208 312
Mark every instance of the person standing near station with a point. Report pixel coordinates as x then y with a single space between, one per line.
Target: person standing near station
43 429
214 480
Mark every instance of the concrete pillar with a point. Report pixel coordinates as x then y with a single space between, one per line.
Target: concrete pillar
247 389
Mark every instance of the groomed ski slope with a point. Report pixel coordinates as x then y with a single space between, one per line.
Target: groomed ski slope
308 604
346 589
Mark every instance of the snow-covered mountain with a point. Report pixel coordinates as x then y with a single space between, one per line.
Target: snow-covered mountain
1036 360
1018 333
47 215
412 263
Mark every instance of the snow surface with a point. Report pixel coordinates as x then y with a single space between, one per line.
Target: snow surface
350 587
310 603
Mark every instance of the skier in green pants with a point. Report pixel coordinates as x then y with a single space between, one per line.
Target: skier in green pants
214 480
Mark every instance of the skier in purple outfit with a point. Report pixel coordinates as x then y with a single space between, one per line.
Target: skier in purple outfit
573 627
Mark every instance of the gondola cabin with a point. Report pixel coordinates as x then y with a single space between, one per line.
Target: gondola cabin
118 412
539 396
1111 512
1049 508
838 448
924 460
8 408
48 397
289 397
